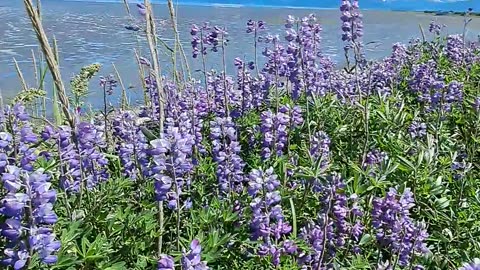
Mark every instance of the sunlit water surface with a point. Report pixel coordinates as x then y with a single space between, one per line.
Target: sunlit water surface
89 32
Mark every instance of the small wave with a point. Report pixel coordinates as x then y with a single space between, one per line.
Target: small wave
227 5
9 52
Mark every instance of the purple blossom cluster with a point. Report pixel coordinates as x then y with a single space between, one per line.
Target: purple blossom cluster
294 67
142 10
16 138
26 207
165 263
82 160
476 104
338 223
268 222
226 153
455 49
152 109
207 37
435 28
417 129
375 157
460 166
172 166
186 110
431 90
352 24
108 83
396 231
254 26
131 145
474 265
224 93
245 85
304 68
275 129
320 149
191 260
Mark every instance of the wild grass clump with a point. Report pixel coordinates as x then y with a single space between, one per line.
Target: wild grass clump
290 163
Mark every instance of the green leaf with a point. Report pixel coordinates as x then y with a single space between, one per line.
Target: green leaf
117 266
294 218
405 164
442 203
366 239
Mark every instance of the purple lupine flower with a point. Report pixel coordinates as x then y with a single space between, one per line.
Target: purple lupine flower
460 167
165 263
224 98
253 26
276 65
268 224
476 104
352 25
216 37
338 224
428 85
108 83
375 157
204 38
94 163
172 156
320 149
196 42
209 38
310 71
274 129
296 117
244 86
194 30
455 49
16 257
186 109
290 21
290 247
131 144
28 192
226 153
17 138
152 111
435 28
81 160
452 96
191 260
417 129
70 174
144 61
395 229
27 205
474 265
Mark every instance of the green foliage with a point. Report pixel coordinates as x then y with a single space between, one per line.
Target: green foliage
118 225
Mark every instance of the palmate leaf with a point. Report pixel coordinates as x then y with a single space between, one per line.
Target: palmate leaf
117 266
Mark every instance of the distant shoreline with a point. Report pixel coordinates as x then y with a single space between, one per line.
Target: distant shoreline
447 13
436 12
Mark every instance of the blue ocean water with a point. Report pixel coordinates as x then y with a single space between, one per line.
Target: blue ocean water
400 5
93 31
